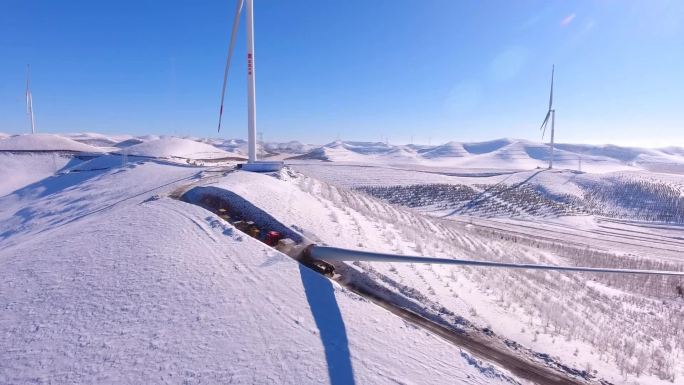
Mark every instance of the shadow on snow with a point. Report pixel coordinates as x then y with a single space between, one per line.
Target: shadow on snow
326 313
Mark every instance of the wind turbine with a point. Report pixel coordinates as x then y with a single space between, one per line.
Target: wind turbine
29 102
252 163
551 113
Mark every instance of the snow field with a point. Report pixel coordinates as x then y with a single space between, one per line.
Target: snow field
105 280
560 314
627 329
171 147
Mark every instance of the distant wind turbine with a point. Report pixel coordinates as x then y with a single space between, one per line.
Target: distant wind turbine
551 113
29 101
252 163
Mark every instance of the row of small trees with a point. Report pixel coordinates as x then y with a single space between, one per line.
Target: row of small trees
623 196
487 200
643 199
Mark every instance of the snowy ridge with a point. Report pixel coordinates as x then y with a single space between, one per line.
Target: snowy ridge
172 147
98 140
291 147
264 150
503 154
45 142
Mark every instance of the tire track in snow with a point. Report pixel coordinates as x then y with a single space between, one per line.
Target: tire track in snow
477 345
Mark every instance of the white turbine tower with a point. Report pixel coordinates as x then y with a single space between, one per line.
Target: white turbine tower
551 113
252 163
29 102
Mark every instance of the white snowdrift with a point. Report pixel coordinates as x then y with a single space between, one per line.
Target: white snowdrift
45 142
172 147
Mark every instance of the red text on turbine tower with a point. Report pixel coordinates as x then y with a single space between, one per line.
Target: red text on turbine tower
249 64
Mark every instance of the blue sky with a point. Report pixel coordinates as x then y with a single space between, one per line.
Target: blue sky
432 70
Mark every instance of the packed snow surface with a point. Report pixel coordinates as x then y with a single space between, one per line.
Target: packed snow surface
172 147
44 142
104 279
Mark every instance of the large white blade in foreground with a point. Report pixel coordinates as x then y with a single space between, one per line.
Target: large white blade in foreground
331 254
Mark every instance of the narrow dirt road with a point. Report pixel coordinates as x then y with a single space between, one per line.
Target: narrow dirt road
477 344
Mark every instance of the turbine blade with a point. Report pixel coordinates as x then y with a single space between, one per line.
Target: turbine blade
231 48
28 90
334 254
545 123
546 120
553 67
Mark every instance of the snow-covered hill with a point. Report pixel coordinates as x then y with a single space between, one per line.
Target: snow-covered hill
524 305
104 282
529 223
534 194
503 154
270 150
172 147
291 147
340 151
448 150
98 140
45 142
525 194
106 277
